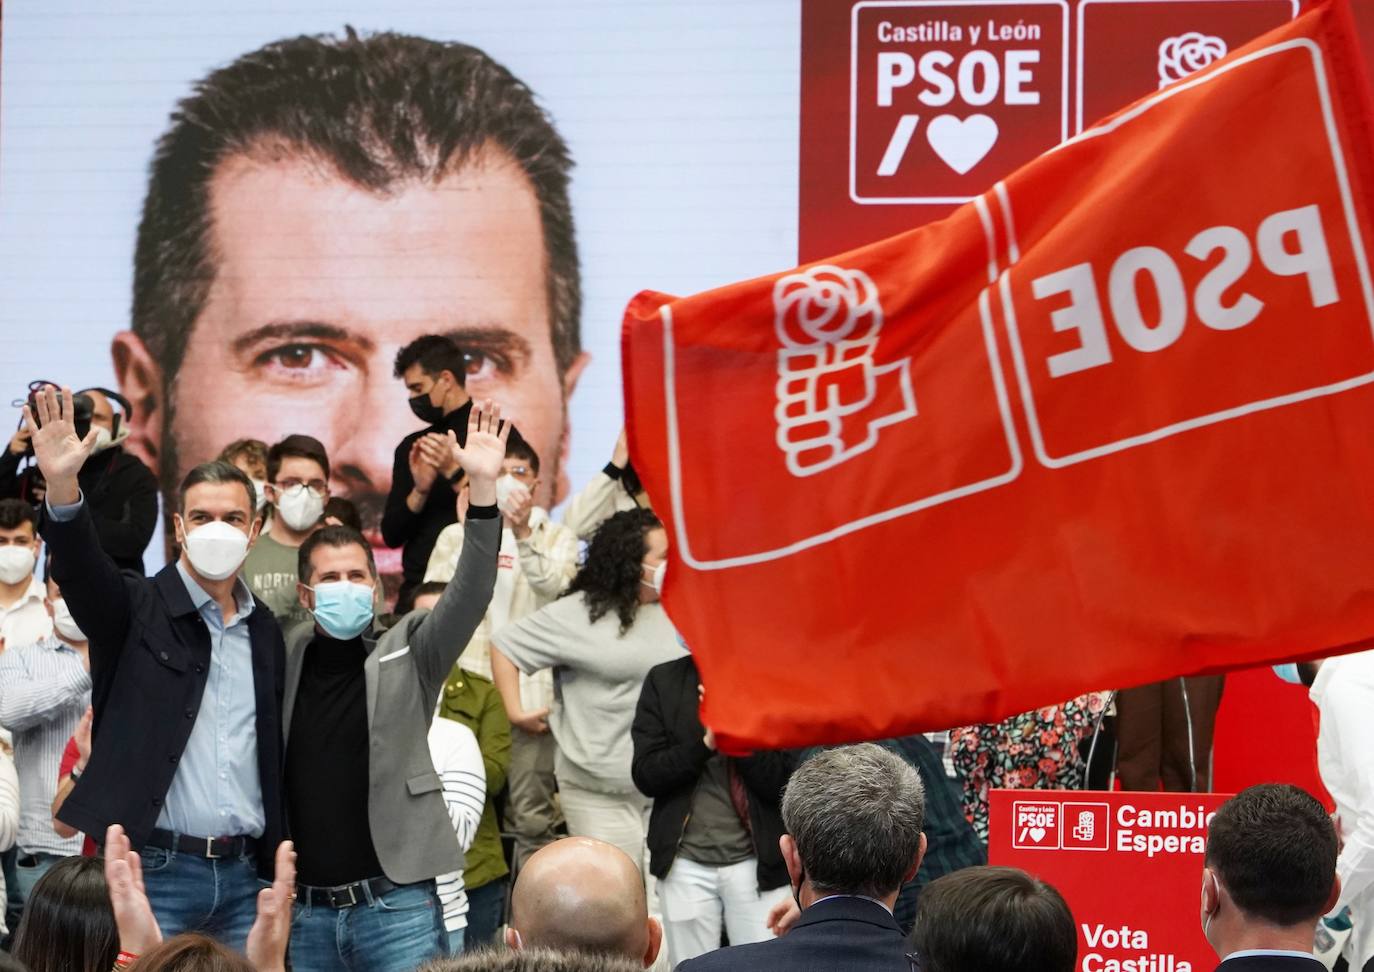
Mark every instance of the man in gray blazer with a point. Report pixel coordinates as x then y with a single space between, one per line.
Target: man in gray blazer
364 804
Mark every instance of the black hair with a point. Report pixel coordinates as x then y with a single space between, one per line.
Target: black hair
519 448
68 923
344 511
1273 848
993 919
218 471
299 447
15 513
428 587
611 575
376 109
331 536
434 353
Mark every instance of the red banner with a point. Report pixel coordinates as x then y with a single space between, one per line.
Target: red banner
1128 864
1105 424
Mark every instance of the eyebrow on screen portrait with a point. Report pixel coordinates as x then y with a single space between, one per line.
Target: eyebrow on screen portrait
297 331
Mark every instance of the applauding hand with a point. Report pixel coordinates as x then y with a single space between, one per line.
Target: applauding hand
138 929
271 930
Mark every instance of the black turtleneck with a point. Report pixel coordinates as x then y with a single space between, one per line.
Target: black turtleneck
326 767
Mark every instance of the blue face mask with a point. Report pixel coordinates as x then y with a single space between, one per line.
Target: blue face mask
1288 672
343 609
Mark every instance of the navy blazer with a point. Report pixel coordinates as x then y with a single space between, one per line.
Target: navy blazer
1272 963
150 658
842 934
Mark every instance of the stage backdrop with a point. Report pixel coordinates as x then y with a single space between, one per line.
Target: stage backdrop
681 120
684 123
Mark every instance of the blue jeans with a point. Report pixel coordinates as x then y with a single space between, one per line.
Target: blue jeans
455 941
27 876
394 933
191 893
486 913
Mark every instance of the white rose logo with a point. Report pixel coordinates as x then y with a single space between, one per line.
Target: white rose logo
824 305
1182 55
832 395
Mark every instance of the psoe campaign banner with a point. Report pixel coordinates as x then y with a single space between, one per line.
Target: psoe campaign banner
1105 424
1128 864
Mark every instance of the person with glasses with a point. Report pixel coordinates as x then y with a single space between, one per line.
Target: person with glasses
297 489
538 561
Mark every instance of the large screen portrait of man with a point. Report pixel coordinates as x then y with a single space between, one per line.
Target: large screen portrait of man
315 206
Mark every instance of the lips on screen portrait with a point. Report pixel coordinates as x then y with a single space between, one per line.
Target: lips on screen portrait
299 229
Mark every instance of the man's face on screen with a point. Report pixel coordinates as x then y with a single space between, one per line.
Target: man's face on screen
319 283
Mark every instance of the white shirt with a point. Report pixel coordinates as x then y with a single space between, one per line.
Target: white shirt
26 621
458 761
529 574
1344 693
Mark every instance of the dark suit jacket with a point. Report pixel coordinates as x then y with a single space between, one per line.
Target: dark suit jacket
837 935
150 657
1271 963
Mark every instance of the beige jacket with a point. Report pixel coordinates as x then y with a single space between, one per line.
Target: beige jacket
530 573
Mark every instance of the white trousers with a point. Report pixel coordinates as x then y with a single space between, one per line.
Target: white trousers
696 897
621 820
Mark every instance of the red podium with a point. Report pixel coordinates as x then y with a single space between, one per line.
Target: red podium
1128 864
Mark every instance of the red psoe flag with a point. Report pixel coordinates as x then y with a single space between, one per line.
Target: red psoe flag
1110 423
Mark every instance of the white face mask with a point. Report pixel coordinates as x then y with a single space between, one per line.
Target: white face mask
260 492
656 578
300 507
510 492
103 439
216 549
63 622
16 563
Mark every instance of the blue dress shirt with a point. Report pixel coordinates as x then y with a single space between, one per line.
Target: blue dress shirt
216 791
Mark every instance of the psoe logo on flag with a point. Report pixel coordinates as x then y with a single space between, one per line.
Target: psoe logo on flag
1035 825
1087 826
828 319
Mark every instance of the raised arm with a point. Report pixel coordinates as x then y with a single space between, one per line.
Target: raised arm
596 502
441 637
91 582
26 701
548 558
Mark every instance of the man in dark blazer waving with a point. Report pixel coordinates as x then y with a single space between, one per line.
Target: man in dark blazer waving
853 817
1269 875
186 676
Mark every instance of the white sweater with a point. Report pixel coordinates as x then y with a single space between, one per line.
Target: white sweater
458 761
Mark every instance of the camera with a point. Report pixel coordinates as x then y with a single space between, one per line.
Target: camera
83 407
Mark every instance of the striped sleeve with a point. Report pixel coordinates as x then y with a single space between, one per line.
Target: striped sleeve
458 761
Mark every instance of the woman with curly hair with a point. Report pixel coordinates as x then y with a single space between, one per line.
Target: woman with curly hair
600 638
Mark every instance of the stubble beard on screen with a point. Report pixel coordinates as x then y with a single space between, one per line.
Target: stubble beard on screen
370 505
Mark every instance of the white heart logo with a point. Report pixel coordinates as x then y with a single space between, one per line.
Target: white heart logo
1037 833
961 143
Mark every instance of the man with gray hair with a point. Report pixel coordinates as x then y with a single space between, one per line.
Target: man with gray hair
853 819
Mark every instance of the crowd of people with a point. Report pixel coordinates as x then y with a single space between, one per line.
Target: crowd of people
265 750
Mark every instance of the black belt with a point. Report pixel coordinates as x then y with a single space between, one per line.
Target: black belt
346 895
210 848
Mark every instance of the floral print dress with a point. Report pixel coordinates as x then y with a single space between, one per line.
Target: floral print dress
1036 750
